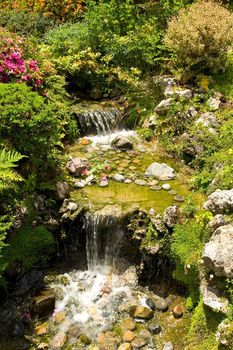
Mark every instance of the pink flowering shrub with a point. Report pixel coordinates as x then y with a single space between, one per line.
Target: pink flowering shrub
15 66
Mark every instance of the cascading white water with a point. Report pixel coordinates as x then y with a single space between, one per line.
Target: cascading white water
100 122
90 299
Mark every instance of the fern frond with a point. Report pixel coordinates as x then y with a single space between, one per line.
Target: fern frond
9 177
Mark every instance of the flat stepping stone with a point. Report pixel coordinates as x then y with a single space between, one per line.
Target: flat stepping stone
140 182
128 181
179 198
172 192
166 187
155 188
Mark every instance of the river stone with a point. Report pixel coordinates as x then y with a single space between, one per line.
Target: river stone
140 182
145 334
155 188
72 206
129 323
220 202
128 181
178 311
154 183
79 184
138 343
77 166
163 106
217 221
161 305
122 143
74 331
171 216
168 346
161 171
103 183
44 302
154 328
179 198
166 187
142 312
58 341
128 336
172 192
118 178
218 252
125 346
62 190
150 302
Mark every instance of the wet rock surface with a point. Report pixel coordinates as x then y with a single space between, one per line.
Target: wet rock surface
161 171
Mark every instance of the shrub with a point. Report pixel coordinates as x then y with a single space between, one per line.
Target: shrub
200 36
30 125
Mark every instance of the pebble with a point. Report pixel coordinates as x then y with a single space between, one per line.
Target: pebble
172 192
166 187
140 182
125 346
129 323
150 302
118 178
155 328
145 334
103 183
154 183
155 188
138 343
161 305
128 181
79 184
178 311
72 206
179 198
168 346
128 336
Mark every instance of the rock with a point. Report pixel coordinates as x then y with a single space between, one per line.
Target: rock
140 182
143 312
213 103
77 166
122 143
151 122
125 346
224 333
154 328
52 224
103 183
138 343
171 216
161 171
163 106
213 297
128 181
154 183
158 225
168 346
131 276
186 93
172 193
217 221
220 202
192 146
166 187
44 303
178 311
164 82
72 206
74 331
155 188
161 305
179 198
145 334
31 281
150 302
59 317
41 329
118 178
96 93
62 190
85 339
207 119
218 252
79 184
128 336
58 341
129 323
151 249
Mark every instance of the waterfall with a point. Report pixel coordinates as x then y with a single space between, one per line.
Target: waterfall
99 122
103 236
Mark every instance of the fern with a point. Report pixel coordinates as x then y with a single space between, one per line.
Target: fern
8 176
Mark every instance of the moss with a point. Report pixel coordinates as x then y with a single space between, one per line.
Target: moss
31 246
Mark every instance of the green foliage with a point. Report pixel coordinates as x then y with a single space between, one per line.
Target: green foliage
5 225
146 133
203 328
200 36
7 175
31 246
24 23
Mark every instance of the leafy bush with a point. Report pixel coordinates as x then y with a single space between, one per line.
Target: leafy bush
31 246
200 37
30 125
7 162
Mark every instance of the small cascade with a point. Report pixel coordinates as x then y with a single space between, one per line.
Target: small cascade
99 122
103 235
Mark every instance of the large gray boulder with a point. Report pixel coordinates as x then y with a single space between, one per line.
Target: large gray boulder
218 252
122 143
213 297
217 221
161 171
220 202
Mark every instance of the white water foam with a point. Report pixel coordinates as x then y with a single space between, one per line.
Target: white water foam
104 141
